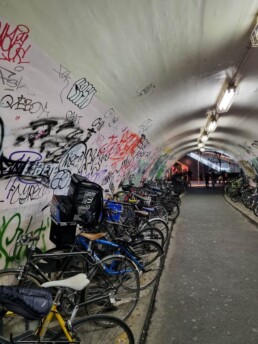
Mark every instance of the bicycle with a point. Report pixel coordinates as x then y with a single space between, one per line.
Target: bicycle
119 276
136 221
147 255
16 302
133 222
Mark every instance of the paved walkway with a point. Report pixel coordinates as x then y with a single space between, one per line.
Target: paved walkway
208 292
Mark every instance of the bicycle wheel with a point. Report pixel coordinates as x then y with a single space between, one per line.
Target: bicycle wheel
150 257
173 210
87 331
255 209
160 211
10 277
158 223
114 287
247 198
152 233
15 324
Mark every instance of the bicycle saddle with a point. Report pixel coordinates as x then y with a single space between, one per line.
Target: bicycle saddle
77 282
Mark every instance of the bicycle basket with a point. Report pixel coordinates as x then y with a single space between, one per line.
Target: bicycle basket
115 210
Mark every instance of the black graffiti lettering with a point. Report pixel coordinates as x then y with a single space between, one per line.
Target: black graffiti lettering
43 122
20 193
65 125
90 160
39 134
75 135
35 107
98 123
9 79
6 101
81 93
63 73
6 75
109 113
24 104
61 180
72 159
73 116
89 134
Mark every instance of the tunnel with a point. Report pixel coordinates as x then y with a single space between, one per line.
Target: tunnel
120 92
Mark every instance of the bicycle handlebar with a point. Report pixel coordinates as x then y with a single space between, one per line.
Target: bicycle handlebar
27 238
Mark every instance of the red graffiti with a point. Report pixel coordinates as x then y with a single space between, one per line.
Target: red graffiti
12 43
118 149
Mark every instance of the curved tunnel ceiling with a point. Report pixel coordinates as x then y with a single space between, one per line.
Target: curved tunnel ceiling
163 61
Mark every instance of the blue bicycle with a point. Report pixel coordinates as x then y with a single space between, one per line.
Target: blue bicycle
146 255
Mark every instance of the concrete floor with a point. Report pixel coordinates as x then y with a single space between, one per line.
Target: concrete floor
208 291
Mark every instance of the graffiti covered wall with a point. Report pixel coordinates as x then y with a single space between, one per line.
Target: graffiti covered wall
52 126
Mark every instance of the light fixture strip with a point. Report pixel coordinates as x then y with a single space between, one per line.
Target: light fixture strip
212 122
226 99
204 136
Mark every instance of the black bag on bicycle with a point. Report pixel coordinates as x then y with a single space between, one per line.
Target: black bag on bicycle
30 303
88 200
83 204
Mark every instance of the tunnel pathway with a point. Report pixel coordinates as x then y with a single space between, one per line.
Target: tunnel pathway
208 291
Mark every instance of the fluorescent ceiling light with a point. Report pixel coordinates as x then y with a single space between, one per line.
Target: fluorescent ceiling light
212 124
226 99
204 137
254 36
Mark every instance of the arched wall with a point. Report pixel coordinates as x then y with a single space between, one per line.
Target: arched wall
51 126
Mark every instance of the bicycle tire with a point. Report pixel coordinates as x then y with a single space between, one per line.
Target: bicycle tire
88 331
255 209
150 254
158 223
152 233
10 277
173 210
117 277
247 198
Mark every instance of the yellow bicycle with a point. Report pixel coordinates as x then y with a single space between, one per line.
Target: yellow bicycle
45 325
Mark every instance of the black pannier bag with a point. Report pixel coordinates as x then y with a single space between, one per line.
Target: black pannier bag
83 204
30 303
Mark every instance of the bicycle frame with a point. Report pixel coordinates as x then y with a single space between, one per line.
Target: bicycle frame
32 263
41 331
119 250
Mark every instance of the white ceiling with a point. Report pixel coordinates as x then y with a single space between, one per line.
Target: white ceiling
163 60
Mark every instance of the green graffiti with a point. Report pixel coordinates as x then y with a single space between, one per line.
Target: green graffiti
10 231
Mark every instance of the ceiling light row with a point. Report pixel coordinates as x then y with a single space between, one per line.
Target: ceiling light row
254 35
210 127
225 100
